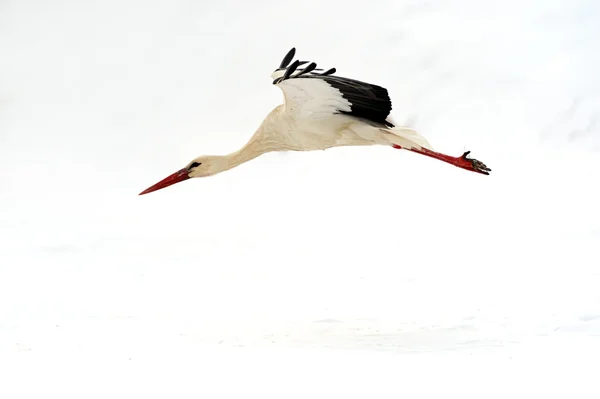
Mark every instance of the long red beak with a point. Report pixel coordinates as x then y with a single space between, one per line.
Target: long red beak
176 177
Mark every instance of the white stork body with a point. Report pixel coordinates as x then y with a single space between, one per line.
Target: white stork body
320 111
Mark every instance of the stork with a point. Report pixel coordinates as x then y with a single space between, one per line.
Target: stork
321 110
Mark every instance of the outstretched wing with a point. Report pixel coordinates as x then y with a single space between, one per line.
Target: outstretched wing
319 95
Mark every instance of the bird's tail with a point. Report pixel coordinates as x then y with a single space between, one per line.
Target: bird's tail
406 138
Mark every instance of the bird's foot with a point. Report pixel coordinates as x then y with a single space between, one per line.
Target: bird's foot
472 164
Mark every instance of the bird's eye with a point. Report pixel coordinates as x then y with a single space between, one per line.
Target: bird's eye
194 164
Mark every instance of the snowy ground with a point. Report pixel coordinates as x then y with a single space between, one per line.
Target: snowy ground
364 272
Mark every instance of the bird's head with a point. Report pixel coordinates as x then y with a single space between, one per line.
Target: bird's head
206 165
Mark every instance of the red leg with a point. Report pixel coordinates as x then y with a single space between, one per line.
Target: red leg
462 162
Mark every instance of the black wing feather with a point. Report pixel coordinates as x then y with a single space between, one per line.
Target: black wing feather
288 58
367 100
306 70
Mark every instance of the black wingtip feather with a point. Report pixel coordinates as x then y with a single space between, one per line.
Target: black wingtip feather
290 70
328 72
288 58
306 70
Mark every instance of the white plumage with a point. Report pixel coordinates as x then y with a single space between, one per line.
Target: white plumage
320 111
312 99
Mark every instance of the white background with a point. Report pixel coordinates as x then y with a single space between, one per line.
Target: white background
351 272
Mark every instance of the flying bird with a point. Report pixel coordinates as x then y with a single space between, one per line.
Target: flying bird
321 110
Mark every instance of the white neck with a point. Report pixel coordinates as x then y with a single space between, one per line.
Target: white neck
264 140
259 144
251 150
